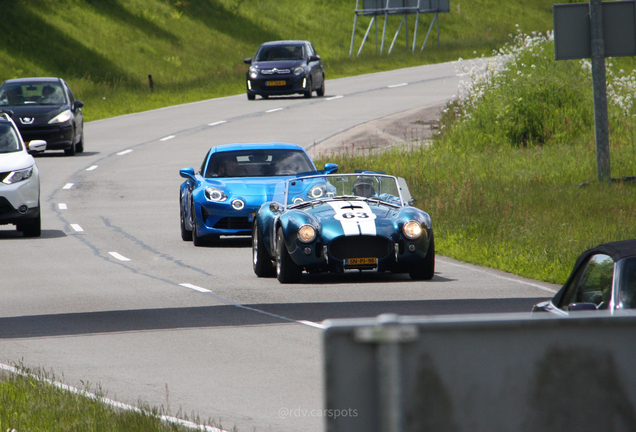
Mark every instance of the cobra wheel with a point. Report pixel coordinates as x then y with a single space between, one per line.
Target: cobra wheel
310 90
261 262
186 235
287 271
425 270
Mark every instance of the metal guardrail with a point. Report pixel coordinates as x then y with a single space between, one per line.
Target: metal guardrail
508 372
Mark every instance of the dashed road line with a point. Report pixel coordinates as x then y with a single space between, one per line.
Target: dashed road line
167 138
398 85
334 97
91 168
124 152
119 257
274 110
217 123
62 206
77 228
68 186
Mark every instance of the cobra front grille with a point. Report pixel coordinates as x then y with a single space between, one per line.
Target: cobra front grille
360 247
234 223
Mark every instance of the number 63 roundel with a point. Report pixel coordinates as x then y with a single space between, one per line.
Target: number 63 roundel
356 217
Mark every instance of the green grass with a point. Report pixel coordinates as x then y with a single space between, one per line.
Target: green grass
194 50
504 180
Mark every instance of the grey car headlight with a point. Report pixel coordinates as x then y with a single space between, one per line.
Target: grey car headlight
253 72
214 194
412 230
62 117
18 176
306 233
299 70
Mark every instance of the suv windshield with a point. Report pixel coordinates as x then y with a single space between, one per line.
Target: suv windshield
9 141
40 93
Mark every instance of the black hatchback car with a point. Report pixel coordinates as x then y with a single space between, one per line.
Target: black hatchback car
285 68
603 278
45 109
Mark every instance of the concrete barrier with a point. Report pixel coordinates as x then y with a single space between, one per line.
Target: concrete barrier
507 372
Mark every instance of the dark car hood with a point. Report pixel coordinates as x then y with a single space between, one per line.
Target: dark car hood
40 113
282 64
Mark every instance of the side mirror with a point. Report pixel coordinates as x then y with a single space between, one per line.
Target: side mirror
77 104
578 307
187 173
314 58
274 207
36 146
248 61
330 168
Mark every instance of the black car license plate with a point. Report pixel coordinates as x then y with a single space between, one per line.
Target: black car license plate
275 83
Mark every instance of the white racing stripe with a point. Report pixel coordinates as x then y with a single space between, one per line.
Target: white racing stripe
355 217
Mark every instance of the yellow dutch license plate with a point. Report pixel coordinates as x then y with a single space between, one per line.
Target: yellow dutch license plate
275 83
361 262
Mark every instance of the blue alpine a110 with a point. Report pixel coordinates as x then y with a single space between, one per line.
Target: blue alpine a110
341 222
232 183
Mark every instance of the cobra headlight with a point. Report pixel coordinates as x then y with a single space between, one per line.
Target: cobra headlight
412 230
253 72
18 176
306 233
62 117
214 194
299 70
316 192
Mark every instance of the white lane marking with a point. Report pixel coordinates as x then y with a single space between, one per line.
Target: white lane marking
497 276
312 324
217 123
68 186
123 152
207 291
334 97
91 168
118 256
107 401
398 85
194 287
273 110
76 227
167 138
62 206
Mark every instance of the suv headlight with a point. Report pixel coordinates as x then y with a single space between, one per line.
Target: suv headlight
18 176
299 70
253 72
412 230
214 194
62 117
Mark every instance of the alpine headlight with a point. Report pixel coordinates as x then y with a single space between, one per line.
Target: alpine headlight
316 192
214 194
306 233
18 176
299 70
412 230
253 72
62 117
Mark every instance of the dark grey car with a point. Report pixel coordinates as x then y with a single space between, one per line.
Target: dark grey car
45 109
603 278
285 68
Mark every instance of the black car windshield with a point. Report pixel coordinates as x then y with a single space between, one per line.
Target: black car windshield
258 163
280 52
9 141
36 93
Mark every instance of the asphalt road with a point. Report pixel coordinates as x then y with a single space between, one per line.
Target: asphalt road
110 295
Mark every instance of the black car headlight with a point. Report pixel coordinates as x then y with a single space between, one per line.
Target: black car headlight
253 72
214 194
299 70
62 117
306 233
412 230
18 176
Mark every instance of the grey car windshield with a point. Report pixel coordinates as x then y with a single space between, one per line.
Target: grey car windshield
9 141
280 52
40 93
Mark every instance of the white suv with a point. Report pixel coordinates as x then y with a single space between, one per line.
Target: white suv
19 179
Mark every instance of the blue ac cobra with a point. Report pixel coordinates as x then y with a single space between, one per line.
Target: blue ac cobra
234 180
339 223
